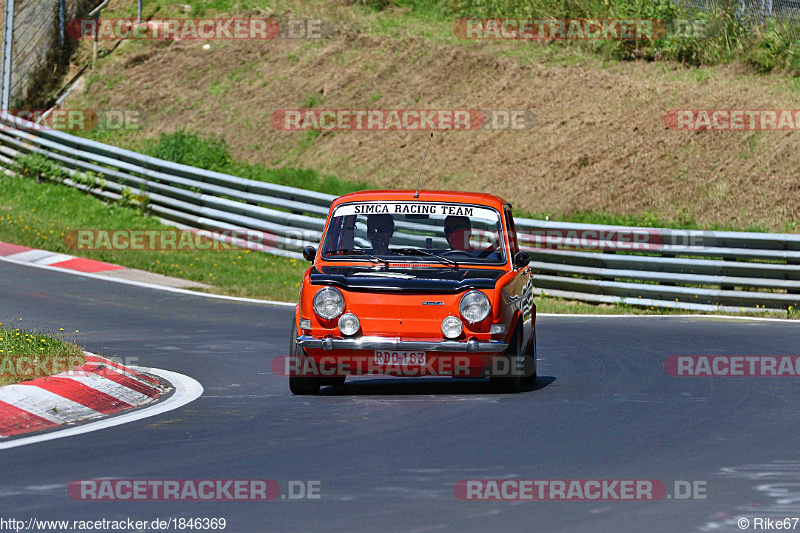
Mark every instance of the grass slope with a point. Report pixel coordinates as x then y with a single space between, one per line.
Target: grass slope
599 146
27 355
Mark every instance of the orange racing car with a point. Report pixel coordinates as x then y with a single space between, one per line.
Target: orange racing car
412 283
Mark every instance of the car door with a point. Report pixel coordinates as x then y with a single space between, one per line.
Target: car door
521 289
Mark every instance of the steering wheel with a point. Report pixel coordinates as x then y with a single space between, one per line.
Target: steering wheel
489 250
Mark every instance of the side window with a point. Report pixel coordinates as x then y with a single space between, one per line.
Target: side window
348 233
512 231
333 235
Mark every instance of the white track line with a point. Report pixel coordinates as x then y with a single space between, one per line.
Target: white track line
186 390
148 285
30 256
289 304
733 317
55 258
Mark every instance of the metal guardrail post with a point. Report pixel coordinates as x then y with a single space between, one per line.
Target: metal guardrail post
62 22
8 44
94 43
96 14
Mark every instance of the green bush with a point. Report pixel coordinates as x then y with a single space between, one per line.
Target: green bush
212 154
39 167
377 5
190 149
517 8
138 202
777 47
726 34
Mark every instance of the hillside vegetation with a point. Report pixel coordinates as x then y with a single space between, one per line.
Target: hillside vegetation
600 146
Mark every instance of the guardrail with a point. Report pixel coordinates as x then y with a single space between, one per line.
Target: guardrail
683 269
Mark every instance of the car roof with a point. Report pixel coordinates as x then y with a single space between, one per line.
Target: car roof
424 196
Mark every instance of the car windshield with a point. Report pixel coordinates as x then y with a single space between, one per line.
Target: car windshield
448 233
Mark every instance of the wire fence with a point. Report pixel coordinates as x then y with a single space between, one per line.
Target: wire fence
36 48
749 12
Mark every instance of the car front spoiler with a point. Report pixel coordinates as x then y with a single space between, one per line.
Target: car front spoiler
383 343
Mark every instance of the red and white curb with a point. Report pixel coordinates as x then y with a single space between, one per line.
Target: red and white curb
186 391
53 259
96 389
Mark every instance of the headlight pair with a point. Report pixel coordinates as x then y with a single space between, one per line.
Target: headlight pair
329 303
474 307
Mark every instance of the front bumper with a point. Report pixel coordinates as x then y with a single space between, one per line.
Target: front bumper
383 343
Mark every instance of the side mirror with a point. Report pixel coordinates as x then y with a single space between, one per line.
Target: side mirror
309 253
521 260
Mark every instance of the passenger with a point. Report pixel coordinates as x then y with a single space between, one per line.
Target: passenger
379 230
458 231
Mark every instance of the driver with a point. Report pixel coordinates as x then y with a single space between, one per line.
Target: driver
379 230
458 231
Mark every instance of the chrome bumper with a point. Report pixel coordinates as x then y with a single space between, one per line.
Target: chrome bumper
383 343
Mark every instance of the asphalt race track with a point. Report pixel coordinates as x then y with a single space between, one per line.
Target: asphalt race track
387 452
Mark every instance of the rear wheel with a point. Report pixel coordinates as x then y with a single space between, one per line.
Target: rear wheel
300 385
512 361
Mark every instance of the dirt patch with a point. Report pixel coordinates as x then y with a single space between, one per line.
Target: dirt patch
600 142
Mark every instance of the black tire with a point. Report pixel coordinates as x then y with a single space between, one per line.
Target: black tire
333 382
300 385
530 362
510 384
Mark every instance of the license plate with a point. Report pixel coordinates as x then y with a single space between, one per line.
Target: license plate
386 357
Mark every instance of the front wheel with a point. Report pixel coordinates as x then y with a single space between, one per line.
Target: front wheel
512 363
300 385
530 362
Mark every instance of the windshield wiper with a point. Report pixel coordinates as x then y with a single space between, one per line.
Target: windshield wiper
345 251
420 251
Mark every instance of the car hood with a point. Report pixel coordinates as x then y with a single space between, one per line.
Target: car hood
437 280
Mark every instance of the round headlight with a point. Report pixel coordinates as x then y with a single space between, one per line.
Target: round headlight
328 303
474 306
451 327
348 324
